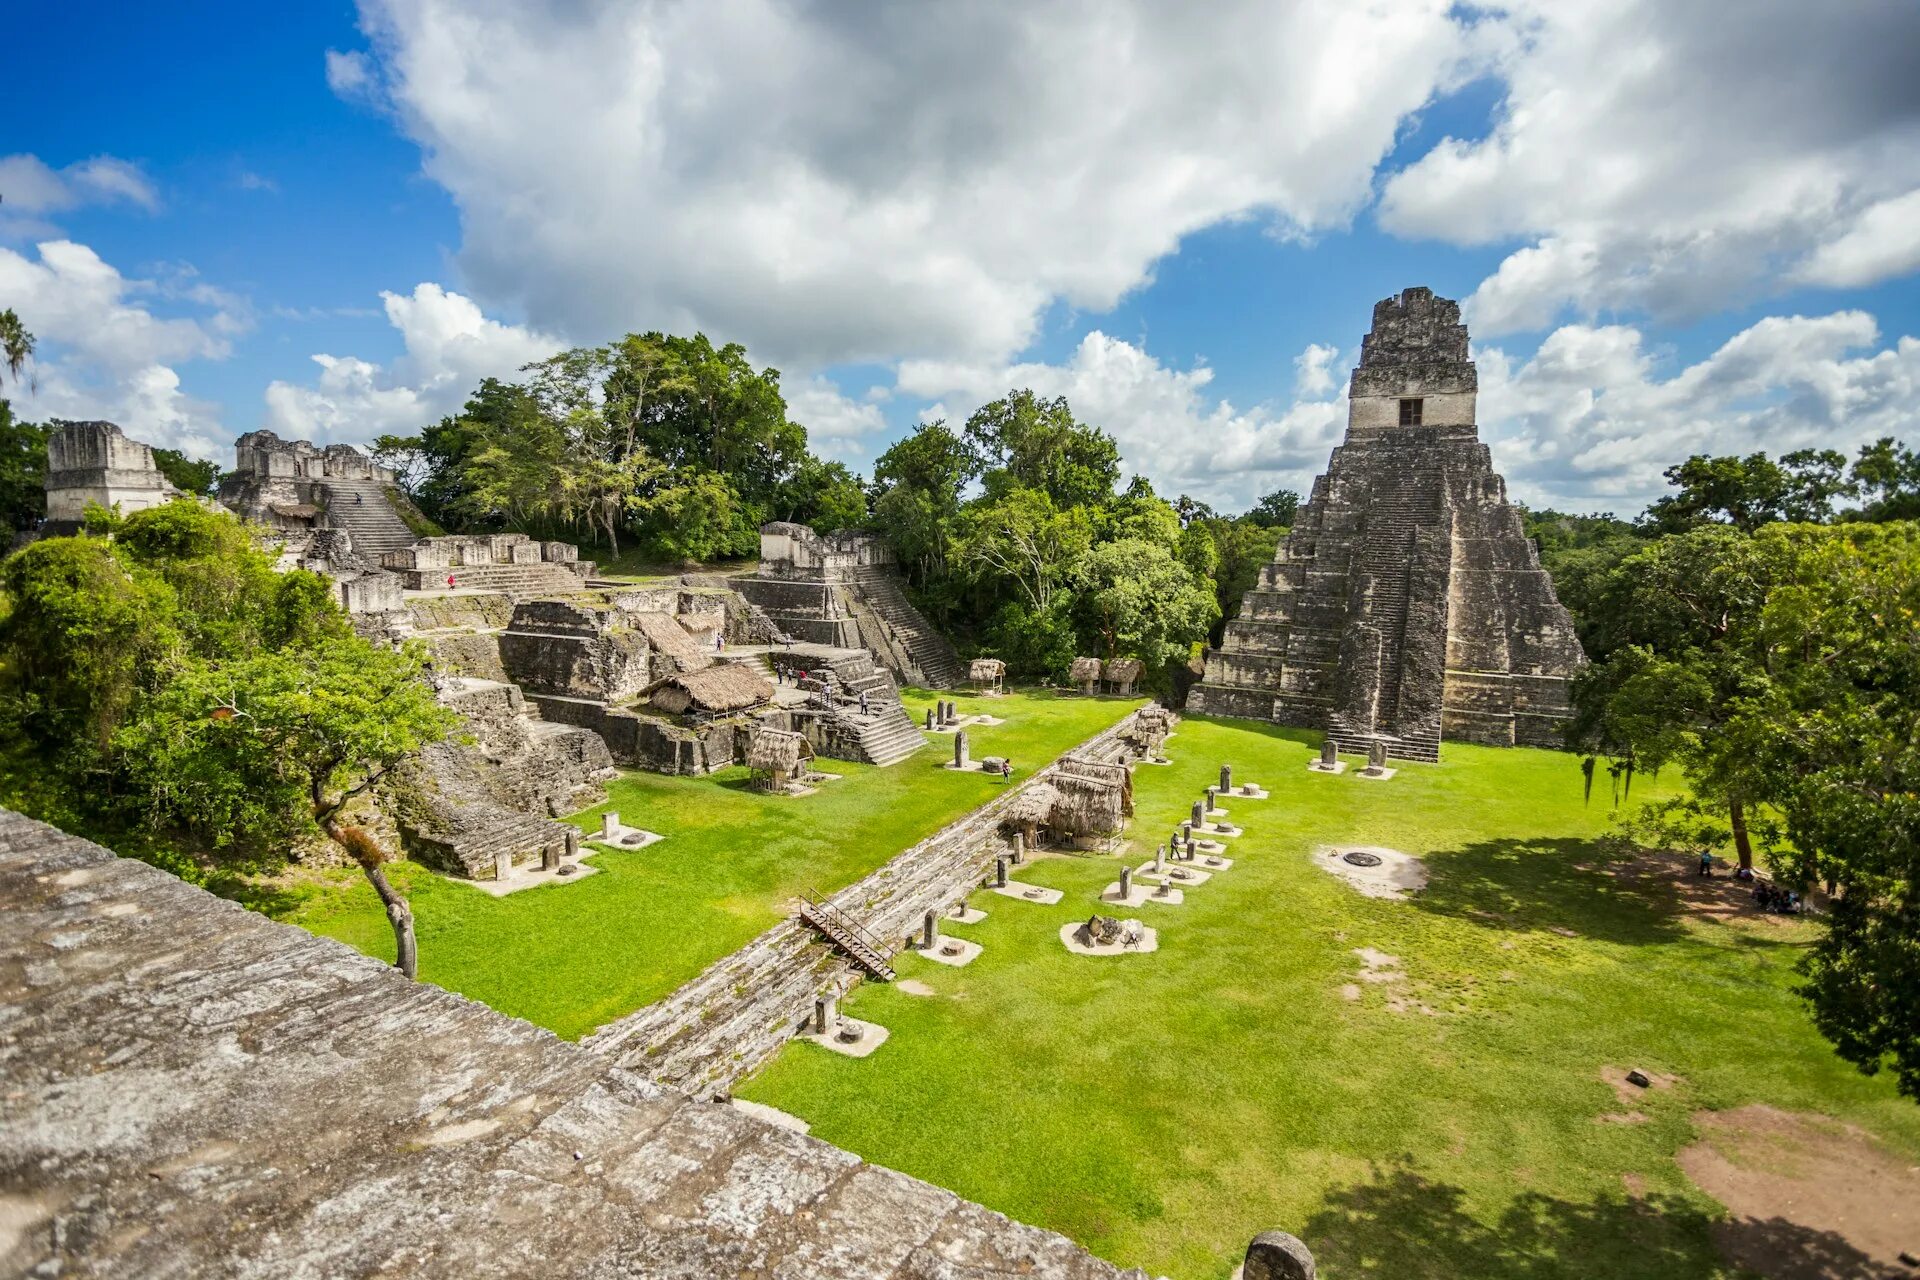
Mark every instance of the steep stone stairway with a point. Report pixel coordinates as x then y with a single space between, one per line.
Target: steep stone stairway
887 734
1385 553
361 508
931 657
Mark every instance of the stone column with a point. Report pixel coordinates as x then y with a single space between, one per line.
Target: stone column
609 825
1329 754
503 866
960 757
1226 778
1160 860
1199 815
1126 883
550 858
573 841
1213 799
929 717
1000 873
929 930
826 1015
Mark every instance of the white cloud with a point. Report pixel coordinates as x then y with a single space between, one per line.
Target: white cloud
1659 157
1590 423
1883 242
351 76
105 354
832 184
32 190
450 347
1167 426
835 423
1313 369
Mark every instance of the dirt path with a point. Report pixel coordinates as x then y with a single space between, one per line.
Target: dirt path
1808 1198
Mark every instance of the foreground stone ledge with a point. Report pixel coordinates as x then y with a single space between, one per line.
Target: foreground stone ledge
189 1089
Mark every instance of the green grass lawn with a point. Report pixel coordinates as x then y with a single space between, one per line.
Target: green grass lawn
573 956
1164 1108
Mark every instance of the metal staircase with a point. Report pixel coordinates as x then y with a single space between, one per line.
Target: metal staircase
845 934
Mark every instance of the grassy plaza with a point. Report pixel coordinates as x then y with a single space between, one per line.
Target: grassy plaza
1443 1111
573 956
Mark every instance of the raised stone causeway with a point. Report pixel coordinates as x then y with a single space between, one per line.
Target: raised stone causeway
1406 604
188 1089
741 1010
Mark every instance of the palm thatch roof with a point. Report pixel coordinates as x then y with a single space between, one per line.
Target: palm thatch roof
1032 804
1085 670
771 748
718 689
986 669
1125 670
1087 806
664 632
1105 773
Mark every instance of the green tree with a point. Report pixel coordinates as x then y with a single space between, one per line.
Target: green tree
1887 473
918 483
1276 510
1039 444
23 471
1751 491
280 743
1686 611
194 476
1024 543
16 344
1838 738
1134 599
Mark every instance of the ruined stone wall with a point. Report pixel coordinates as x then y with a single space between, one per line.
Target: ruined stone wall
95 463
190 1089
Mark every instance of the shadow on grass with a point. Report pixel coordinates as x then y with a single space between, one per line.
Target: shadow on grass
1401 1223
1547 884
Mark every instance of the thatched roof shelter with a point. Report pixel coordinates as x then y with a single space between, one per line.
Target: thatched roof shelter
1085 670
664 632
1032 805
716 690
1087 806
1125 670
1147 731
986 669
770 749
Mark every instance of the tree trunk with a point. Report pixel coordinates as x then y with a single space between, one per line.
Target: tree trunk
1737 817
400 916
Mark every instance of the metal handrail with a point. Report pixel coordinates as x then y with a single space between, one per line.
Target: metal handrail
845 921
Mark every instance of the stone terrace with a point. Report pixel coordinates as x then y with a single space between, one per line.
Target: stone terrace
188 1089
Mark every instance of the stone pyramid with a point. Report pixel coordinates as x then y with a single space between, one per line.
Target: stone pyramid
1406 605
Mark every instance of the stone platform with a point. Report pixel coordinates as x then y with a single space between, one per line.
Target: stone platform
188 1089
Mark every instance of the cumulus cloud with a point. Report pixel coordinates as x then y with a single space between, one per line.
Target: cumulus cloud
1589 422
836 424
1658 157
351 76
450 346
106 354
834 183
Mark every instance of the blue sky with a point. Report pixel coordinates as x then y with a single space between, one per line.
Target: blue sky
1180 225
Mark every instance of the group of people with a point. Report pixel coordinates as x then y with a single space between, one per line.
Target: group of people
1766 895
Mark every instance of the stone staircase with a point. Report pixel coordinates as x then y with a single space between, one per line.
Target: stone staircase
1385 554
361 508
517 581
887 734
930 657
